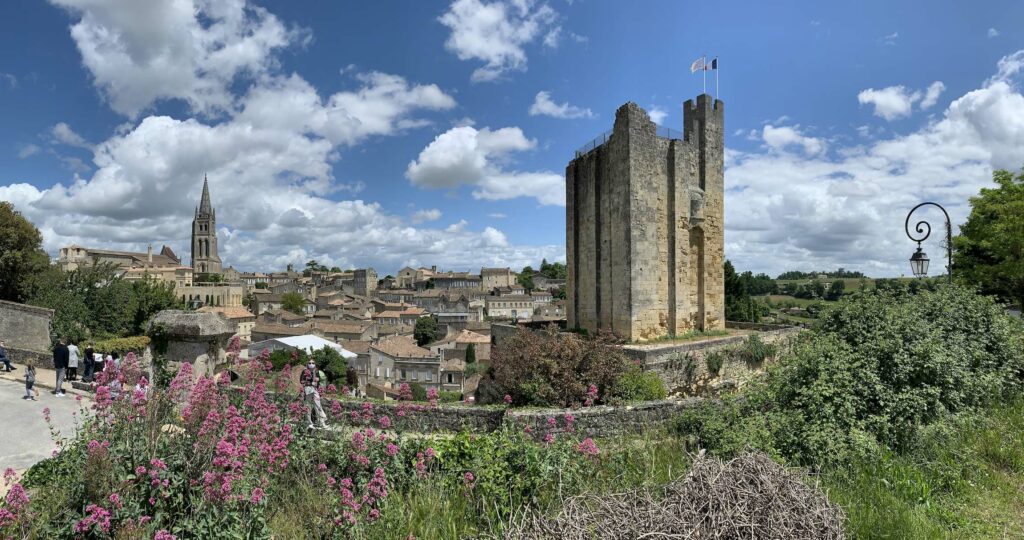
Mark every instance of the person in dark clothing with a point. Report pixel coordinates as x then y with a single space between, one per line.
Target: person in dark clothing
60 364
88 363
3 357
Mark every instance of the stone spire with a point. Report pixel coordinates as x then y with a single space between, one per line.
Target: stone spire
205 208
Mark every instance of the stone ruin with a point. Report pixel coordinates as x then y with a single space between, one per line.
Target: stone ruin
200 339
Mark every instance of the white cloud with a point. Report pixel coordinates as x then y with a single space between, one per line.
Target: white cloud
992 32
782 137
847 208
9 79
931 95
657 114
543 106
140 51
890 103
62 133
895 102
497 215
890 39
423 216
497 32
28 150
468 156
269 153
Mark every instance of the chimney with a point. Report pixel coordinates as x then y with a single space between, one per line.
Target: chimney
433 269
149 254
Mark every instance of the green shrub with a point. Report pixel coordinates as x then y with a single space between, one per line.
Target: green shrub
639 385
418 392
445 396
714 360
281 358
124 345
755 351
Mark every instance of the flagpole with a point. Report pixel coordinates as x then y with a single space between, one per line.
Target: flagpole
704 62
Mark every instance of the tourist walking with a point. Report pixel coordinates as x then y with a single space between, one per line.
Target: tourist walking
116 359
60 365
88 363
3 357
310 381
73 356
30 381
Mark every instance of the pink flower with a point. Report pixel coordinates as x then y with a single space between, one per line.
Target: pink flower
257 496
392 449
588 448
508 399
164 535
549 438
115 500
374 514
385 422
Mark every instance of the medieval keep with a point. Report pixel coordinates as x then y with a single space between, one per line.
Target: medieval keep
204 236
645 226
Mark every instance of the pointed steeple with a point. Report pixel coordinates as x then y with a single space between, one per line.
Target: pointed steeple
205 208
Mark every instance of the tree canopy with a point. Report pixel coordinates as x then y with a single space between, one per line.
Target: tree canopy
426 331
294 302
989 252
21 254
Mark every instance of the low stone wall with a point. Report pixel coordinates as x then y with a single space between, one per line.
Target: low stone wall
683 367
25 327
420 417
30 358
602 420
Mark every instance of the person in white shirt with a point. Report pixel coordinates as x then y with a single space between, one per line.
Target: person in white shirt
73 356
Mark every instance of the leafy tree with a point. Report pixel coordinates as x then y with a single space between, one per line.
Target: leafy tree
559 293
470 353
989 252
313 266
426 331
91 301
333 364
262 285
293 302
835 290
152 296
553 270
739 306
21 254
418 392
335 270
525 278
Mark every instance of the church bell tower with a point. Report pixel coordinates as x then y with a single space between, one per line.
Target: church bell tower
204 236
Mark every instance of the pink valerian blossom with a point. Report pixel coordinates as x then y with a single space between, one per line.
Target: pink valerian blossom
588 448
331 389
404 392
97 516
392 449
552 423
163 534
591 396
469 483
384 421
549 438
570 421
9 476
257 496
508 399
115 500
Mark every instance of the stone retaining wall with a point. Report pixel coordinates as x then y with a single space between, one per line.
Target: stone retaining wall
683 366
602 420
420 417
25 327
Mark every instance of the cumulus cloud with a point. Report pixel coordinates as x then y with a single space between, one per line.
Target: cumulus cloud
27 150
63 134
544 106
657 114
895 102
269 152
783 137
423 216
140 51
847 208
468 156
497 32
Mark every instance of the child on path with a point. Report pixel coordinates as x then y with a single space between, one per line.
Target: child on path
30 381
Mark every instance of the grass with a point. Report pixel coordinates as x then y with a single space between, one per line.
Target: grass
964 479
799 302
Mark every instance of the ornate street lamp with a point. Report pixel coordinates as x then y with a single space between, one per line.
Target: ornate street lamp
919 260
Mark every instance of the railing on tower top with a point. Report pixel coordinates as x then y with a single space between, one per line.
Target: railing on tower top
663 132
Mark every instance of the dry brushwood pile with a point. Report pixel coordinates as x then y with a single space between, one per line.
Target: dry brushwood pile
748 497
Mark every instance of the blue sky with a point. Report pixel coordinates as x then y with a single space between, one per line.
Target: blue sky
394 133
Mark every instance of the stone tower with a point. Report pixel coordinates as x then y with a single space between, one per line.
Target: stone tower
645 226
204 236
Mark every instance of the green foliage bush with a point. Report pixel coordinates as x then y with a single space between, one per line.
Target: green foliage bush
714 361
333 364
135 344
418 392
426 331
755 351
444 396
876 368
551 369
638 385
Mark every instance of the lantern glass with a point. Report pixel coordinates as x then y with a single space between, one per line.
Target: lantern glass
919 263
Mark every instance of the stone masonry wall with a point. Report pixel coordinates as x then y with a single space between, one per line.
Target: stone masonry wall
25 327
683 366
644 227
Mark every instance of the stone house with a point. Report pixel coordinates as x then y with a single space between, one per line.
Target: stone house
344 330
265 331
361 364
280 316
540 298
453 375
554 310
460 341
395 296
452 280
492 278
513 306
408 277
512 290
398 360
243 318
